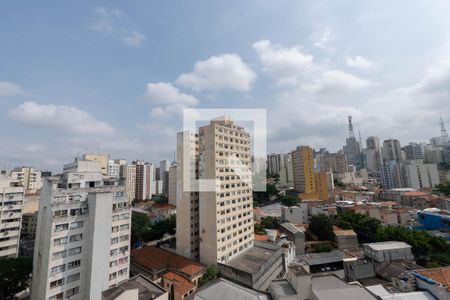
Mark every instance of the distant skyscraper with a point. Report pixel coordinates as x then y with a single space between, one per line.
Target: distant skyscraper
144 179
392 150
225 216
83 234
414 151
352 149
273 164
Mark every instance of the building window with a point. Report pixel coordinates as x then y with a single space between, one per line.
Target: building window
74 264
74 251
56 283
58 269
73 277
76 238
60 254
72 292
59 296
61 227
60 241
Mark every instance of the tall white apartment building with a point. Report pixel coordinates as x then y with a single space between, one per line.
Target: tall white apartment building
172 189
129 172
27 177
11 205
220 154
83 234
420 175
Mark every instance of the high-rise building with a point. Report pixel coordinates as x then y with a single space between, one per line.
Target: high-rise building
144 180
392 175
373 154
286 171
187 193
172 191
334 162
164 167
273 164
113 168
309 184
83 234
352 148
11 206
225 211
129 173
392 151
414 151
420 175
28 178
373 142
303 169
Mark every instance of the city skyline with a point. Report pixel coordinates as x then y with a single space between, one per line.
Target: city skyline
113 78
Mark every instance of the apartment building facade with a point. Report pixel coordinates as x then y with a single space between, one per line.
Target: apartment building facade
83 234
219 154
11 206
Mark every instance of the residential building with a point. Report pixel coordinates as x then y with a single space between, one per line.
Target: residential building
28 178
415 151
102 159
385 252
309 184
164 167
419 175
83 234
392 150
11 205
29 226
295 214
172 192
113 168
144 178
392 175
273 164
225 216
129 173
187 195
335 162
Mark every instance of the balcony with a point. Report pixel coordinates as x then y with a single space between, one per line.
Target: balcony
8 252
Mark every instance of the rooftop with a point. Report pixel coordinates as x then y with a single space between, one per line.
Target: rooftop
147 289
226 290
254 258
282 288
389 245
180 284
156 259
384 294
322 258
331 287
440 275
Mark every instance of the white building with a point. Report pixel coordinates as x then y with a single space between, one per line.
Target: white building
113 168
27 177
11 204
172 192
225 214
420 175
83 234
295 214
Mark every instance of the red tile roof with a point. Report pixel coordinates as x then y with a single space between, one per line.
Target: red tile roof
152 257
180 284
441 275
260 237
164 206
415 194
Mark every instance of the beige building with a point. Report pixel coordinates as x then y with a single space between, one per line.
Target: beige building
225 213
130 182
28 178
103 160
172 193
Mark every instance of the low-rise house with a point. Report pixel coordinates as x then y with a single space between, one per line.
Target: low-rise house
136 288
177 274
224 289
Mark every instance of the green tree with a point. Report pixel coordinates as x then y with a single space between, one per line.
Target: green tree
161 199
289 200
211 273
321 226
160 228
319 248
269 222
444 188
140 226
271 189
14 275
260 229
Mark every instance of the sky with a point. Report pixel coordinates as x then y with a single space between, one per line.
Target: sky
115 76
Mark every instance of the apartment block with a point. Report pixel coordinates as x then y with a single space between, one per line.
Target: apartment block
220 154
172 189
28 178
83 234
144 179
11 205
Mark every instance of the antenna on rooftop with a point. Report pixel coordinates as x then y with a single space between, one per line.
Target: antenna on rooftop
444 133
351 133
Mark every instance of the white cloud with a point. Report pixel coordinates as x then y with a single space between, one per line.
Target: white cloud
9 89
116 23
61 118
170 97
322 39
358 62
226 71
285 64
336 80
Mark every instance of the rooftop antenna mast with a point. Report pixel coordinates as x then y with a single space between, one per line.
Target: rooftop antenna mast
351 133
444 133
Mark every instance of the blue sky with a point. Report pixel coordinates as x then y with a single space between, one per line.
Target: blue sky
113 76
